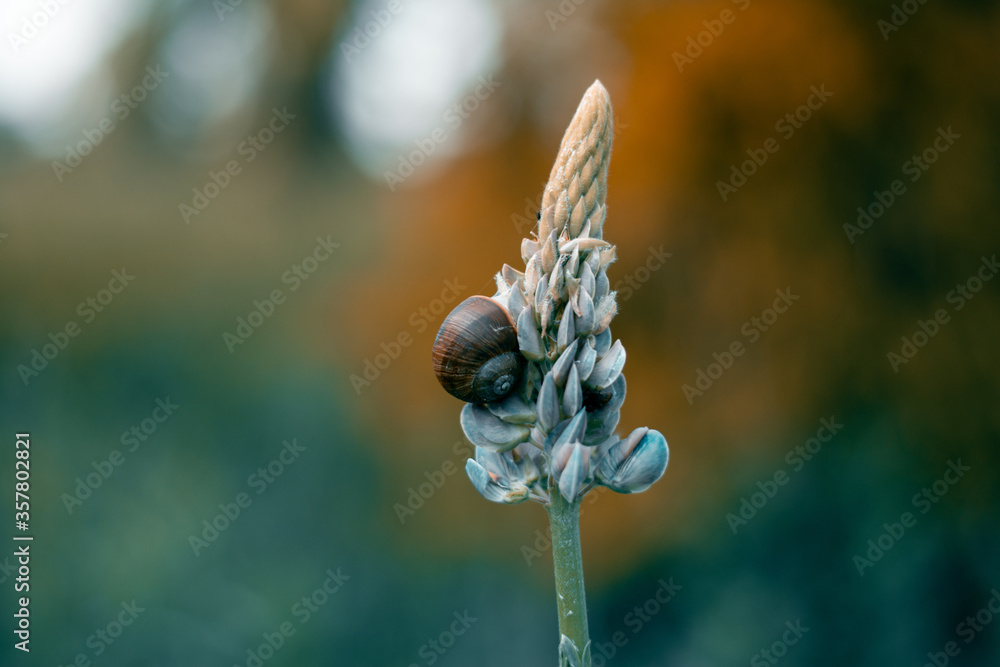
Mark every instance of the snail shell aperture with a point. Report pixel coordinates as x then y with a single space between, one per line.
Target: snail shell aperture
476 356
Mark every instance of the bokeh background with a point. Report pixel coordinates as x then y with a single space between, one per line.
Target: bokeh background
366 105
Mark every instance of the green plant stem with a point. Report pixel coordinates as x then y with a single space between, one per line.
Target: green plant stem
571 597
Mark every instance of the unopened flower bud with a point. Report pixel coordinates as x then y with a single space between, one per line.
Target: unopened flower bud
493 487
633 464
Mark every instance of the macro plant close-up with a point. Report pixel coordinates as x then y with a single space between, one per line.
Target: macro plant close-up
543 382
354 333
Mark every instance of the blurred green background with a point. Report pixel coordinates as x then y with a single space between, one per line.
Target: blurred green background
142 137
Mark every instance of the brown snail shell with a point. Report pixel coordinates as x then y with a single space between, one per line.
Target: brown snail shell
476 356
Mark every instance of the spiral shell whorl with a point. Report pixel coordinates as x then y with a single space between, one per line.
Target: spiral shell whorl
476 357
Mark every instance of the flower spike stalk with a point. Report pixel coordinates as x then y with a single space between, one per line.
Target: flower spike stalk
552 437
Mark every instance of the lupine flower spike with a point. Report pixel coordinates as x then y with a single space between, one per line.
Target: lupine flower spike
541 372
